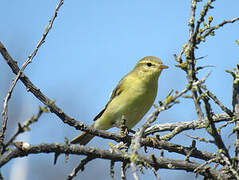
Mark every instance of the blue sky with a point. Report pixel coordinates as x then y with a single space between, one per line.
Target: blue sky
92 45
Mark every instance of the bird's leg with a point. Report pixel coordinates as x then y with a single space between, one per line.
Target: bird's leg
123 131
123 128
153 140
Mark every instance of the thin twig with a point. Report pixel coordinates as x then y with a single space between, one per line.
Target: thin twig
179 129
226 123
196 100
216 100
26 125
192 17
19 74
51 104
199 138
206 163
155 173
179 57
134 170
123 169
203 13
189 54
152 117
81 167
112 172
80 126
195 124
173 133
193 148
235 105
212 130
135 143
210 30
230 166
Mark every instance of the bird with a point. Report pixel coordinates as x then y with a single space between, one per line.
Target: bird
131 99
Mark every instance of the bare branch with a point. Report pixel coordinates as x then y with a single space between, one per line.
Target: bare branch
212 29
25 127
123 169
225 167
204 155
134 170
192 17
203 13
235 105
155 162
214 98
112 172
48 102
199 138
135 143
81 167
230 166
196 124
212 130
19 73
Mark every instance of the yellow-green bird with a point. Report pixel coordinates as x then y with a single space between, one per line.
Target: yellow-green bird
131 99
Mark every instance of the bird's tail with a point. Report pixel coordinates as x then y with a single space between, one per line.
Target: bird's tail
82 139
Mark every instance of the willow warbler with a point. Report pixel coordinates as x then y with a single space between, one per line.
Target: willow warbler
132 98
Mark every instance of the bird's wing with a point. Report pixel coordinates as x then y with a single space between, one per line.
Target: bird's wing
116 92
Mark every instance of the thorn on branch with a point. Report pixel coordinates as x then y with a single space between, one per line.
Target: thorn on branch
203 67
56 155
123 170
199 139
112 172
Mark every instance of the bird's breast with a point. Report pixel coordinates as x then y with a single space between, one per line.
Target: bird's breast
138 100
131 104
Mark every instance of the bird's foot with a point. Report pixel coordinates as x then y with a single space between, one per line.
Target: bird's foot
153 140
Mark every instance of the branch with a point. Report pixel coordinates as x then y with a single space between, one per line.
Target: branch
81 167
19 73
235 105
212 130
25 127
192 17
170 147
153 161
55 109
214 98
50 103
203 13
229 166
189 125
135 143
80 126
212 29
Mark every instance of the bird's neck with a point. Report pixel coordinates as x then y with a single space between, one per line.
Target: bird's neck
145 79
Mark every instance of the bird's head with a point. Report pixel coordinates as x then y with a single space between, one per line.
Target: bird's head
149 67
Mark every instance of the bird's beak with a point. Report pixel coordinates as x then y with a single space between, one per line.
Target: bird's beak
162 66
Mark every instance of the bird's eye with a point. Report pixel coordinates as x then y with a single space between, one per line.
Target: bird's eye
149 64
